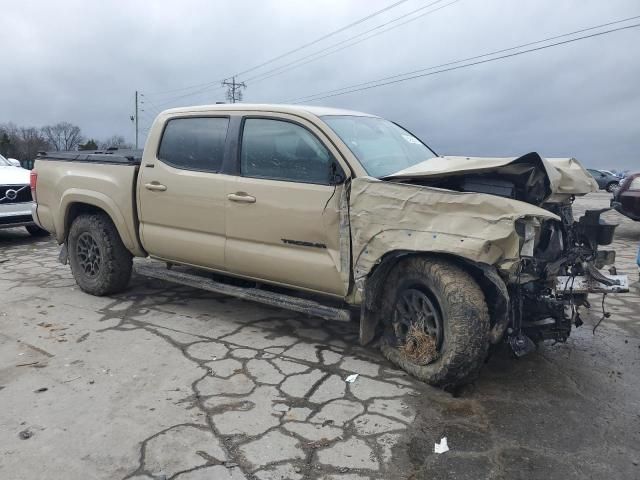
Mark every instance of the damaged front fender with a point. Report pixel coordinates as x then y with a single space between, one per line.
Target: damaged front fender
388 216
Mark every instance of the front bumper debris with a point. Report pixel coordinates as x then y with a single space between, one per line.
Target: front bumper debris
587 284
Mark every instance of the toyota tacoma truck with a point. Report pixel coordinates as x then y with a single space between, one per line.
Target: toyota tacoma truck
341 215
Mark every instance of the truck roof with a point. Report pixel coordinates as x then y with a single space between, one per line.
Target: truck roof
270 107
129 156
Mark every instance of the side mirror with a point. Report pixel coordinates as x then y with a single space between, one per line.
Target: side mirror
336 175
14 162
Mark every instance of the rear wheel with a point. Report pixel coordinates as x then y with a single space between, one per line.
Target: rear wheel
36 231
100 262
437 321
612 187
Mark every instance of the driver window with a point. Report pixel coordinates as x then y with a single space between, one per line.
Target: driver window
281 150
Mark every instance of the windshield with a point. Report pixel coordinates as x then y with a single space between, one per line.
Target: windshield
381 146
4 162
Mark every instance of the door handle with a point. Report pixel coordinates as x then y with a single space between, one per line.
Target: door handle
155 187
241 197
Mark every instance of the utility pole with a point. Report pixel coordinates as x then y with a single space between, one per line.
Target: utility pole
136 119
234 90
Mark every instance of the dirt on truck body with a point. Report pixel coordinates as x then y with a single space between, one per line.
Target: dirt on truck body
342 215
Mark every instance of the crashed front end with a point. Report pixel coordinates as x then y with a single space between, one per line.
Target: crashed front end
560 264
511 220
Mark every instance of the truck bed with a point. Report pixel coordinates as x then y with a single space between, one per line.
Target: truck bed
127 157
70 182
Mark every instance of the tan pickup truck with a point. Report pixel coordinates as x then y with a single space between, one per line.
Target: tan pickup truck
341 215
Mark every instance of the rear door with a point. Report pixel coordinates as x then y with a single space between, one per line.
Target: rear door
283 216
181 193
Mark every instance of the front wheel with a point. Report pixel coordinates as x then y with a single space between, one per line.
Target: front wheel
100 262
436 321
612 187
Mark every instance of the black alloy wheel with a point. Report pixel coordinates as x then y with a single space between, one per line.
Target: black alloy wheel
89 256
416 307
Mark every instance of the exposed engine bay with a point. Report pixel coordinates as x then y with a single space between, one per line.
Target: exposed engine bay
560 260
553 283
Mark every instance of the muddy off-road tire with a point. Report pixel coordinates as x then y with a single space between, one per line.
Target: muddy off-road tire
100 263
456 301
36 231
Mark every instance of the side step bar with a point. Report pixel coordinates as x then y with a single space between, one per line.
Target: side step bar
279 300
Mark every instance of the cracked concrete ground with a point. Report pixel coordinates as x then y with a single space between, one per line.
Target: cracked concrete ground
169 382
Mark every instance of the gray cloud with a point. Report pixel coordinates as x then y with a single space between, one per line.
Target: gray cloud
81 62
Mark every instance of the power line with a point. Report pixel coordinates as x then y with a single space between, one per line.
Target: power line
145 117
149 106
615 22
172 100
376 83
318 54
145 100
323 37
204 86
295 64
191 87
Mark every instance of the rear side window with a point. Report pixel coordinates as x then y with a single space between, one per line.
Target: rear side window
280 150
194 143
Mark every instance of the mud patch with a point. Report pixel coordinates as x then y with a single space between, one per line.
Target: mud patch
419 347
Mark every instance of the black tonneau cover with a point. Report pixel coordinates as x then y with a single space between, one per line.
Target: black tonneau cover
126 157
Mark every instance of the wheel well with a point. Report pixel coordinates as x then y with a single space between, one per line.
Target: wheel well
494 289
77 209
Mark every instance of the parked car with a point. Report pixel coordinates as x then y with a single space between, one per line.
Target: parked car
606 180
626 199
15 197
341 215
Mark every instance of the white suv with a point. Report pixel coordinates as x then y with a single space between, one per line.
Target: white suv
15 197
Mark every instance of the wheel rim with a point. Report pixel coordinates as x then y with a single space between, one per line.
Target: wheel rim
415 307
89 255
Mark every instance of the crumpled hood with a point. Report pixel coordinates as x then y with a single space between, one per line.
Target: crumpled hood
14 176
545 180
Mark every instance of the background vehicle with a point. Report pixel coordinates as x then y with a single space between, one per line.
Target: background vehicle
626 199
606 180
15 197
338 214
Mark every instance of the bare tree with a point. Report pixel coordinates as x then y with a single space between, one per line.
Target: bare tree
116 141
23 143
31 142
63 135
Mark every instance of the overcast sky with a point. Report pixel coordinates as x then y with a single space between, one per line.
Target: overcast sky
81 61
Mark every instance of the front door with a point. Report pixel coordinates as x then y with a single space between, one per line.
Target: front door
282 210
181 195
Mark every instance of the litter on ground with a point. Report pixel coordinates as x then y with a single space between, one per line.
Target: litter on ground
351 378
441 447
